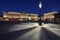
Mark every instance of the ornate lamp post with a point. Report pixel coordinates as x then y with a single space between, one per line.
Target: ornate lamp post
40 6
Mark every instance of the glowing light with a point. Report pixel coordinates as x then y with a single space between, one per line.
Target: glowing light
4 16
29 18
40 4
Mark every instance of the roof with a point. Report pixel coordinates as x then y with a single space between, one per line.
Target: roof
51 13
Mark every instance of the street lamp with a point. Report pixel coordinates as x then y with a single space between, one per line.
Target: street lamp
40 6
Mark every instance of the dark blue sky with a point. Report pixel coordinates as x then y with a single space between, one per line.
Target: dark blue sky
30 6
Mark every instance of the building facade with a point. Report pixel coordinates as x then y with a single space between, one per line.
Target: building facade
34 17
15 16
52 16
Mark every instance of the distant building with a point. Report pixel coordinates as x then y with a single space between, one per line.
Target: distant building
52 16
15 16
34 17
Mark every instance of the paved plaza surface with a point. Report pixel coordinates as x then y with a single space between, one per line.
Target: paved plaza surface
30 31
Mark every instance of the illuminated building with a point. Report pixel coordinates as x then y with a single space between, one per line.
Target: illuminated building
34 17
52 16
24 16
15 16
